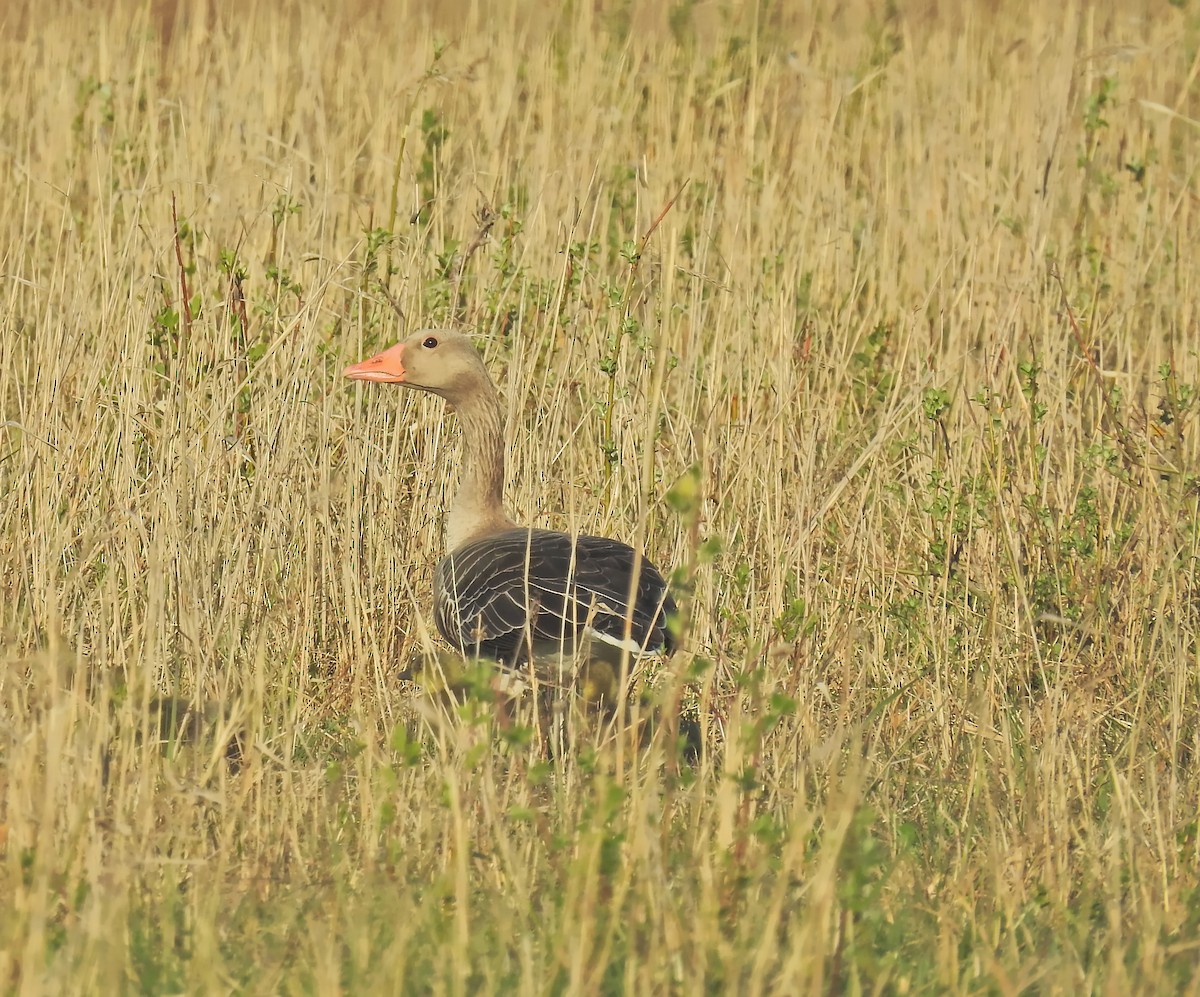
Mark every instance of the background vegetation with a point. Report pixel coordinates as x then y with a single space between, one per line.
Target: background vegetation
878 323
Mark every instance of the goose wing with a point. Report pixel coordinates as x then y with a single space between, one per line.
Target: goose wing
496 596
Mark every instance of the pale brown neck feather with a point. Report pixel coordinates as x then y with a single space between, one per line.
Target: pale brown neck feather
478 506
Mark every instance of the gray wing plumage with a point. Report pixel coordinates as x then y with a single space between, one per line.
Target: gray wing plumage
498 596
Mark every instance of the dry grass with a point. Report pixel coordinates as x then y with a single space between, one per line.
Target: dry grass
939 543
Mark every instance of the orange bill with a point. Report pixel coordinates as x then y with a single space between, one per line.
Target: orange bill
386 366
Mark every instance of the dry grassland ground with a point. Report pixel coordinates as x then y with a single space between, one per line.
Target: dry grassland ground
876 324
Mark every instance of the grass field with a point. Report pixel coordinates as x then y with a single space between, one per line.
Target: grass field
877 325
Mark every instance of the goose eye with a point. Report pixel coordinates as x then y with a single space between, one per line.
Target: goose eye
430 343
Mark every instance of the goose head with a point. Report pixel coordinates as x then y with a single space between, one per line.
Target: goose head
440 361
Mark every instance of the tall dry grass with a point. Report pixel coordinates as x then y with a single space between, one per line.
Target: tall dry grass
903 382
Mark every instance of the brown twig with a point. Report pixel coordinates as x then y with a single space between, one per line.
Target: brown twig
657 221
629 307
486 217
1132 453
237 305
186 310
394 303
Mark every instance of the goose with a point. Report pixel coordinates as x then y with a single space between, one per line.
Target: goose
512 594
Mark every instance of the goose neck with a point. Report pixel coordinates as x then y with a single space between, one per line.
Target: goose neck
478 506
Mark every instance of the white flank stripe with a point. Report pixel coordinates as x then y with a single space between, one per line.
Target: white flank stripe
630 645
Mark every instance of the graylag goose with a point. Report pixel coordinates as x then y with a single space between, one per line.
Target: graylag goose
510 593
